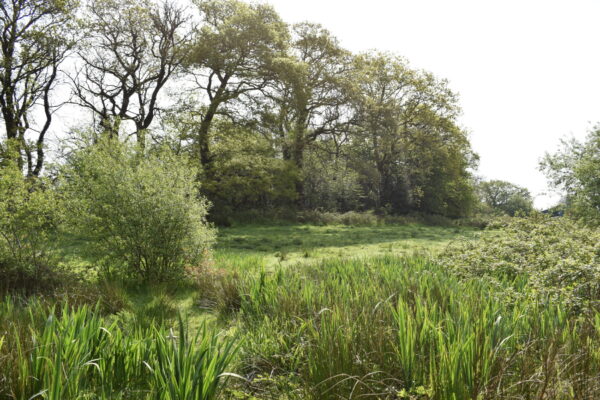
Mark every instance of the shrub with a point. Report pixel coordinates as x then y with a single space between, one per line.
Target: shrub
139 211
29 215
553 256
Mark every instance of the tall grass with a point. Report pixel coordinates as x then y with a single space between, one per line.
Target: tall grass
76 353
385 328
405 328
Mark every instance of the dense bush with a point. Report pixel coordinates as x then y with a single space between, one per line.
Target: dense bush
554 256
28 219
139 211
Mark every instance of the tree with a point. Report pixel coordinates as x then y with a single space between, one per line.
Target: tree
246 174
407 144
34 41
506 197
309 99
131 50
232 57
575 169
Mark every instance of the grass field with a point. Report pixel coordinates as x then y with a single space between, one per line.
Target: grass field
294 312
270 246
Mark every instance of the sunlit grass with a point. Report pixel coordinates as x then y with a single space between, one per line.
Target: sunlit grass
246 246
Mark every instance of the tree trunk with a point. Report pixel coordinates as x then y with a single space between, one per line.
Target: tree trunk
203 136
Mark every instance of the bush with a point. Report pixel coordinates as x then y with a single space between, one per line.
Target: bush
553 256
138 211
29 215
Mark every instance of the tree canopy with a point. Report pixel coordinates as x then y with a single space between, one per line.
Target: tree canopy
272 115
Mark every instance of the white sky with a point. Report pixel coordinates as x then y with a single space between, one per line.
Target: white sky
528 71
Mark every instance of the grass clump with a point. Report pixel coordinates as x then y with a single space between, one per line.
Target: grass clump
75 353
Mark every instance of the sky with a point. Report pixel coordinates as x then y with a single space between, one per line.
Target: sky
527 71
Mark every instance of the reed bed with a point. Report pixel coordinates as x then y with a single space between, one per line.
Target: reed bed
394 328
75 353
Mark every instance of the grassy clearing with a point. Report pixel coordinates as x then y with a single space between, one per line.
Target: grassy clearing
346 314
240 247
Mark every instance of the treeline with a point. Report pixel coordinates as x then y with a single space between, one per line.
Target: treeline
275 115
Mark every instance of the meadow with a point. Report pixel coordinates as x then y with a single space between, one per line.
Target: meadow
287 244
304 312
205 201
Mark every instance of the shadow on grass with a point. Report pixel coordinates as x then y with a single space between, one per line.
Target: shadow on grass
300 238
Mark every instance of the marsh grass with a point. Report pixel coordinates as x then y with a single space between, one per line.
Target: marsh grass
347 315
389 327
68 353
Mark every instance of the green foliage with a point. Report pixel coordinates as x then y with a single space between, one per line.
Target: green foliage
29 216
350 218
408 149
575 169
505 198
140 211
404 328
75 353
554 257
246 175
329 185
190 369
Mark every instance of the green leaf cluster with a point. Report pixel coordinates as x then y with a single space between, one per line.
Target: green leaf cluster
139 210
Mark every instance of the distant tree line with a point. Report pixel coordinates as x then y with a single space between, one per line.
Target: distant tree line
273 115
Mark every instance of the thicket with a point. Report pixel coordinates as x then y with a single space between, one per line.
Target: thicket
554 258
137 213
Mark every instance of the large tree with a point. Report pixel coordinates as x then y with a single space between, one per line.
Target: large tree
405 135
232 57
506 197
34 41
310 98
131 50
